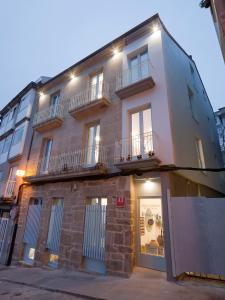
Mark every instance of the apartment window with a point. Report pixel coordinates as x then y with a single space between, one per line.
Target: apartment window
141 132
96 86
12 114
46 155
93 144
7 143
192 104
200 154
18 135
4 120
138 66
24 108
97 201
54 230
10 186
54 102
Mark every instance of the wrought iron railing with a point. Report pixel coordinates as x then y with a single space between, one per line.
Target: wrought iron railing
9 190
132 74
87 96
51 112
136 147
74 161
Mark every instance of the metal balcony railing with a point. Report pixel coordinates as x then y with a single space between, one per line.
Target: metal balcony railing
136 147
132 75
51 112
93 93
75 160
9 190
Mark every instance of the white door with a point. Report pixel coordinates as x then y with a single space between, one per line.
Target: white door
96 86
150 238
92 152
141 133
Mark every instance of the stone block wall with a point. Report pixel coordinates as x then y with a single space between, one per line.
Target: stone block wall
120 222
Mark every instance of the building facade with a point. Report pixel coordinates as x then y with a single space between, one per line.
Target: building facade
15 138
114 135
217 8
220 124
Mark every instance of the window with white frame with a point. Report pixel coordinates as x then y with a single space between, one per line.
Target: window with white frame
54 103
200 153
138 66
18 140
47 148
96 86
93 143
6 147
141 142
10 186
24 108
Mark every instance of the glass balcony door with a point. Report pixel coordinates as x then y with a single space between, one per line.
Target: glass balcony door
54 102
138 67
141 132
46 157
96 86
92 152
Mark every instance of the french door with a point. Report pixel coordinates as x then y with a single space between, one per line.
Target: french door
138 67
92 151
141 133
46 156
96 86
150 238
54 104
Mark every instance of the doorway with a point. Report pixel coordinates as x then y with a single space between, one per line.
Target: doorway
150 239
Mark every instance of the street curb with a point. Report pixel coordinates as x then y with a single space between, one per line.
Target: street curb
52 289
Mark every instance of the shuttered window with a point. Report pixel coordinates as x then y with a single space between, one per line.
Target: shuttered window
33 222
55 225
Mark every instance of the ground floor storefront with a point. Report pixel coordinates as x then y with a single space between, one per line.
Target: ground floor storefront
105 226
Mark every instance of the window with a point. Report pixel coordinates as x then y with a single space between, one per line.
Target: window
138 67
24 103
96 86
54 230
200 154
12 114
7 144
54 102
10 186
191 68
98 201
192 104
46 155
141 132
24 108
18 135
93 145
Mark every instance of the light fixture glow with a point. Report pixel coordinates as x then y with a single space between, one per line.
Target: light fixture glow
97 138
149 184
155 27
72 76
41 94
20 173
116 51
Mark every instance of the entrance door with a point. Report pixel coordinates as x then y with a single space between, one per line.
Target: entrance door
150 240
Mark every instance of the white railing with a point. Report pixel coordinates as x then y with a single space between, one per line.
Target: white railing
74 161
51 112
9 190
132 74
136 147
94 92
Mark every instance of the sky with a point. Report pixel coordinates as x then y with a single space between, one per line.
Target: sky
44 37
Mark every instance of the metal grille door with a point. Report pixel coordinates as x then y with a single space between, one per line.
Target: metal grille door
33 222
94 232
55 224
3 229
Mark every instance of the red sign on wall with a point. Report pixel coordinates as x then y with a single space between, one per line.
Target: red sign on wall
120 202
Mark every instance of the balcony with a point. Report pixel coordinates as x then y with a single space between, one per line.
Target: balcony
9 191
49 118
75 163
134 80
89 101
135 152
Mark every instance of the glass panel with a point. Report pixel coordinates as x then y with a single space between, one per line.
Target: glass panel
46 156
96 86
144 66
134 69
54 104
93 144
151 227
18 135
135 134
147 130
7 144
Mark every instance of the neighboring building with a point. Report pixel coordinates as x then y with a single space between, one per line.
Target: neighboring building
15 139
217 8
220 124
109 131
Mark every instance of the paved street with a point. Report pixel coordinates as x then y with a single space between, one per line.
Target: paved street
40 283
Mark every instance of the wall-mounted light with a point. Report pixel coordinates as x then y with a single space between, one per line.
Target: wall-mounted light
116 51
41 94
149 184
155 27
72 76
20 173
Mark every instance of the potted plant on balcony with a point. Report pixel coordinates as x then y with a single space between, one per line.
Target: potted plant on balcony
129 157
139 156
150 154
121 158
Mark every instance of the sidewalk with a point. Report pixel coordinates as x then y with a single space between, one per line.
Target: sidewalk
143 284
